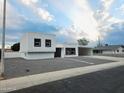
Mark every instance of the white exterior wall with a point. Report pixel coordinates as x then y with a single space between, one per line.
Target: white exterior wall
39 55
29 55
29 51
108 52
24 43
120 51
63 49
90 52
12 54
114 51
62 52
27 42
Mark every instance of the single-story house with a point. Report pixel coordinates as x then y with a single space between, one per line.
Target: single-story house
35 45
109 49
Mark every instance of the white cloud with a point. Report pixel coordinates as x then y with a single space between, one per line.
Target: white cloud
41 12
71 34
102 15
84 20
45 15
87 23
81 15
30 2
121 8
104 18
107 4
106 21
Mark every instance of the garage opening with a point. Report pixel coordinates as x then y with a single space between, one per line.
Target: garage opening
82 51
58 52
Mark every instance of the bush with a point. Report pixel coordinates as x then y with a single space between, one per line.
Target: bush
15 47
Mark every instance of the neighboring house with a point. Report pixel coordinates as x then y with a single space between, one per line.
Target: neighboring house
109 49
34 45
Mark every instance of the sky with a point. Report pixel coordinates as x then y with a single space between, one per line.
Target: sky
69 20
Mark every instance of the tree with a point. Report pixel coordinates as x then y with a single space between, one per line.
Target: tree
83 41
15 47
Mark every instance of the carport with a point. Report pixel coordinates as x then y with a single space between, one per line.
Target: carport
84 51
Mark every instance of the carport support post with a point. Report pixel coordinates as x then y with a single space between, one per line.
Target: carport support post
3 41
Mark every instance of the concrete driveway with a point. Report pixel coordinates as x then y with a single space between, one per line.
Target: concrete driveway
20 67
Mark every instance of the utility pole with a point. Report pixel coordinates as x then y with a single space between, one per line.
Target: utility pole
3 41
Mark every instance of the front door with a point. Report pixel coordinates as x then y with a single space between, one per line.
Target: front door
58 52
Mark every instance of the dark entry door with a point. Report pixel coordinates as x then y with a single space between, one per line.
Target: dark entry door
58 52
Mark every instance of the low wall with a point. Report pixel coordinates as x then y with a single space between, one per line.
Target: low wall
42 55
12 54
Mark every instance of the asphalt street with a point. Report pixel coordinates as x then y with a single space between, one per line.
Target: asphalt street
20 67
106 81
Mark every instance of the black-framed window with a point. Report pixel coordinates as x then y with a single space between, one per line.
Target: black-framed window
70 51
37 42
48 43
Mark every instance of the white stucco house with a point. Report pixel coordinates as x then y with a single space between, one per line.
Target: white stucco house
35 45
109 49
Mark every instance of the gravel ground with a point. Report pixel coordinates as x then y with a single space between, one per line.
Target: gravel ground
20 67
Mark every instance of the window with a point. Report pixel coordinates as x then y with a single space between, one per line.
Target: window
70 51
37 42
122 50
117 50
48 43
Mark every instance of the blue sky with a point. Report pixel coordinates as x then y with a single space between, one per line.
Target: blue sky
69 20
